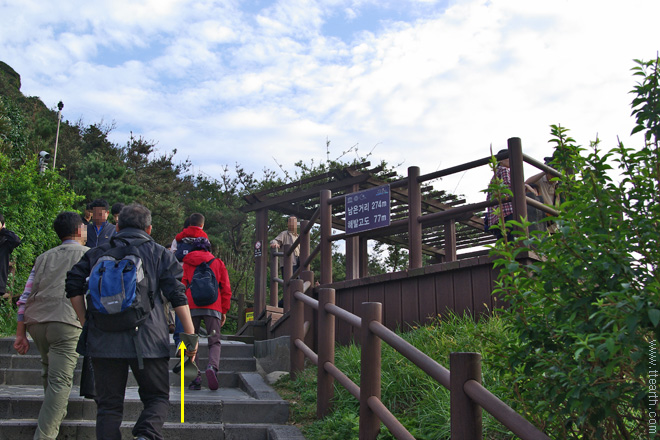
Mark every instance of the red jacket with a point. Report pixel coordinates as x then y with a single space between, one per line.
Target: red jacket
190 262
191 231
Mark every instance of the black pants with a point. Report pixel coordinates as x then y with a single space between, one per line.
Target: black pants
111 376
498 233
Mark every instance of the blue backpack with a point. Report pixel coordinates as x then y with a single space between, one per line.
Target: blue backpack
204 286
119 297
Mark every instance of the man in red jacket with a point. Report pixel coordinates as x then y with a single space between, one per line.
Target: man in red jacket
213 315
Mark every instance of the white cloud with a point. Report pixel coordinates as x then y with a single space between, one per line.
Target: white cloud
434 85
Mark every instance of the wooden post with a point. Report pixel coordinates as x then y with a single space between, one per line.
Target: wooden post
297 314
326 232
364 257
414 226
353 252
274 273
304 245
310 314
465 414
326 334
241 310
517 179
370 375
450 240
260 281
287 272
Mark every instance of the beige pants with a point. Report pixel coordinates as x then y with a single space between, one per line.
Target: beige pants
56 342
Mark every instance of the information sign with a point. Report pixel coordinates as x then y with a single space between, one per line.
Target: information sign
368 209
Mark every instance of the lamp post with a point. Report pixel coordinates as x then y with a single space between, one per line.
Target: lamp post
60 106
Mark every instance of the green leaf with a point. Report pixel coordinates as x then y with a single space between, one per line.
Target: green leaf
654 316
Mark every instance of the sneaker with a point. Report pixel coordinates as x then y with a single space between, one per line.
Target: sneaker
212 378
196 384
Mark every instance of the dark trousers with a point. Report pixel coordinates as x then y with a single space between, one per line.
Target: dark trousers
111 376
498 233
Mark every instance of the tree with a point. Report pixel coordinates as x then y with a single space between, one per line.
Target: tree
585 319
30 203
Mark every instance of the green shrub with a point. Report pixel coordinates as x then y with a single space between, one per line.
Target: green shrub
582 320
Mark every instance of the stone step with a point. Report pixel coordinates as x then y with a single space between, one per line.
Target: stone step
251 402
33 362
85 430
229 348
244 407
13 376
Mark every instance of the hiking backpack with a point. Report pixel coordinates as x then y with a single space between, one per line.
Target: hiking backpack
183 246
119 297
204 286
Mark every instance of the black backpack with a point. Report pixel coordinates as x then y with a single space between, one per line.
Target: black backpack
183 246
204 286
119 296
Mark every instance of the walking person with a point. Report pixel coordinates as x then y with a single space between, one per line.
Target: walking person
8 242
47 314
145 348
209 298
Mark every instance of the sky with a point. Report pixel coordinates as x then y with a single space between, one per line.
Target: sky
265 84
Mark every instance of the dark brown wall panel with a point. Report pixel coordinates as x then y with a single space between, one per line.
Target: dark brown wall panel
481 296
410 303
427 309
343 299
444 292
463 291
393 300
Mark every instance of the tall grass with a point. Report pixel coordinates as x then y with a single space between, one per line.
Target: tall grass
417 401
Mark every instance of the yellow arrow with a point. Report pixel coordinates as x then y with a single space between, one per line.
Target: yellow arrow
182 349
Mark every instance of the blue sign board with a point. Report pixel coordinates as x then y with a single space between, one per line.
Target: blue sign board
368 209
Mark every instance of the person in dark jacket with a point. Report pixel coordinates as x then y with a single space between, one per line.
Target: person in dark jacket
99 229
113 352
8 242
115 210
87 215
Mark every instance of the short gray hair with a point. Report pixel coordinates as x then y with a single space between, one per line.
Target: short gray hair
135 216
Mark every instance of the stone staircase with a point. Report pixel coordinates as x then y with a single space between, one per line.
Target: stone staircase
243 408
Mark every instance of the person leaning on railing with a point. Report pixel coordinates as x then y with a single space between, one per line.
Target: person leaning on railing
288 237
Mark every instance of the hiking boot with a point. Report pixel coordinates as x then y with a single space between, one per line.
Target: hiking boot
212 377
196 384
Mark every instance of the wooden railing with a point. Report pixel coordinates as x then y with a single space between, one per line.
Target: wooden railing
467 395
356 243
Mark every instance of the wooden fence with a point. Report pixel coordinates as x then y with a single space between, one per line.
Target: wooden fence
467 395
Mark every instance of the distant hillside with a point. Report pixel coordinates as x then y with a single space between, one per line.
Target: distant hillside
31 106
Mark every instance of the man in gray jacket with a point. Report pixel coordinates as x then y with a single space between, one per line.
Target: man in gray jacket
45 311
112 352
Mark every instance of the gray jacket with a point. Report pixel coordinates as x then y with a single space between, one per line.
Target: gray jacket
165 274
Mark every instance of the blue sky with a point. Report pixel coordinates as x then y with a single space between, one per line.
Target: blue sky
265 83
